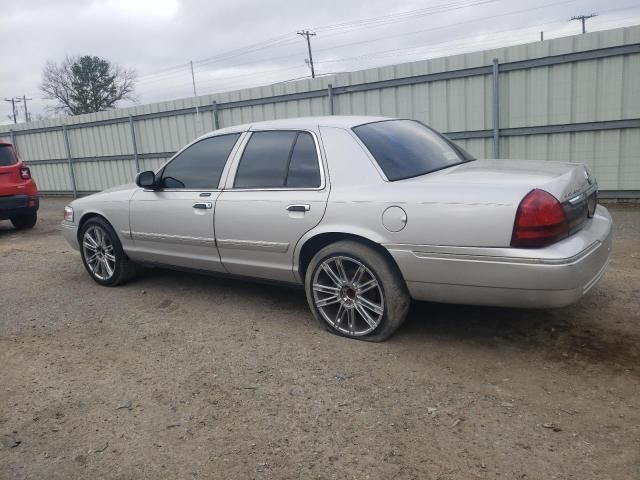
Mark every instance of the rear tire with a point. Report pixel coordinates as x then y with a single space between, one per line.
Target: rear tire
25 221
356 291
102 254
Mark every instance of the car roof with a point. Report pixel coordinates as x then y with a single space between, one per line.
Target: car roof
340 121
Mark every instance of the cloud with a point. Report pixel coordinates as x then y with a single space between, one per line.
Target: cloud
158 38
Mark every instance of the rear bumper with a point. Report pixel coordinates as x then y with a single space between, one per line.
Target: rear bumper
16 205
554 276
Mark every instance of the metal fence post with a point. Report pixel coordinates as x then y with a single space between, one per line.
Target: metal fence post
216 125
13 141
68 148
496 109
134 143
330 92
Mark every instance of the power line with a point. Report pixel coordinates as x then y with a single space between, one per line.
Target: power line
461 45
450 45
353 25
402 16
457 24
222 56
378 54
307 34
387 37
583 19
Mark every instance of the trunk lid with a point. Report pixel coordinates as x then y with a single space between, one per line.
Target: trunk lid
564 181
509 181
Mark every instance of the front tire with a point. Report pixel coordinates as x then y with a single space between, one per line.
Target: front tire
25 221
102 254
356 291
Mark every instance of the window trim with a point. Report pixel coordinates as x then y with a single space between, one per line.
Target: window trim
223 174
231 178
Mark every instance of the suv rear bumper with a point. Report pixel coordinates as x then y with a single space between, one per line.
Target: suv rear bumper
553 276
15 205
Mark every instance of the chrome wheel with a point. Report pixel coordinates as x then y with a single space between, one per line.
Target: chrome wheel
97 249
348 295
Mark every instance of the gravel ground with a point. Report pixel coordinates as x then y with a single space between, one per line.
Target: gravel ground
185 376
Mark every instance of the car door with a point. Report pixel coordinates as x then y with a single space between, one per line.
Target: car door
174 224
275 193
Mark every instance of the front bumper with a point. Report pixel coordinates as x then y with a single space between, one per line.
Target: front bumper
554 276
70 234
15 205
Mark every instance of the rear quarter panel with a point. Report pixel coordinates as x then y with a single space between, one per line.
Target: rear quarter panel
438 211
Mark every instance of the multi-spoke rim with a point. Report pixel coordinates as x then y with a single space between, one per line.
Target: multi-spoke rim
348 295
98 252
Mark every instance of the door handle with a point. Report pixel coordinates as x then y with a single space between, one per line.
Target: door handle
203 205
299 208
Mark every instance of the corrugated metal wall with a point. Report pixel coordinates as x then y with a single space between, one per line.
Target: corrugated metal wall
572 99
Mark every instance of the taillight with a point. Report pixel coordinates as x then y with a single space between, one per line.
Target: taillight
540 221
25 173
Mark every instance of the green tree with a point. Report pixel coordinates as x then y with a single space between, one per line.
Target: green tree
86 85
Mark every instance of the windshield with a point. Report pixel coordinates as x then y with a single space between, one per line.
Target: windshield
6 156
406 148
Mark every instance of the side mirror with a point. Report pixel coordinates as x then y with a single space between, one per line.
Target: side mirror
146 179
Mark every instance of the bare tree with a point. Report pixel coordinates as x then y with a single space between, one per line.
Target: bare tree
86 85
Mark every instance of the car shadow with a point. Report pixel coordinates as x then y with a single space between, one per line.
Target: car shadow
563 334
6 228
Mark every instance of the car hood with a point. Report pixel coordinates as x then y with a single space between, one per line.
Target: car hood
563 180
119 193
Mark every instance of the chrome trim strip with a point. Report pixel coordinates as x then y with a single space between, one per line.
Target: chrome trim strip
583 195
426 255
161 190
276 247
179 239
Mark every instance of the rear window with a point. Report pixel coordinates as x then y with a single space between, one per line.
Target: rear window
6 156
406 148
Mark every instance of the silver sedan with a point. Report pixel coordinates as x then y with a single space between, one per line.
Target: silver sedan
365 212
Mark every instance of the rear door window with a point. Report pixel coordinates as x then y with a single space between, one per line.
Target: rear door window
279 159
7 157
304 169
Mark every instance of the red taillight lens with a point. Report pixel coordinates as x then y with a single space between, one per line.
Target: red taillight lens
540 221
25 173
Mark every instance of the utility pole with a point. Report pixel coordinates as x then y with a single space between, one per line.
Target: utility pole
584 18
542 36
13 108
23 100
193 79
308 35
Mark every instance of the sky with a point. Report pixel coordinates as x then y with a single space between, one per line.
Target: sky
243 43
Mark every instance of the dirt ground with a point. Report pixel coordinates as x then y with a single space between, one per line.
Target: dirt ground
186 376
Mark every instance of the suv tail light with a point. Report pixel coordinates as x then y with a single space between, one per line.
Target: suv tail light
25 173
540 221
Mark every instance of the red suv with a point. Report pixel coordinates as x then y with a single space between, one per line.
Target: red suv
18 191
